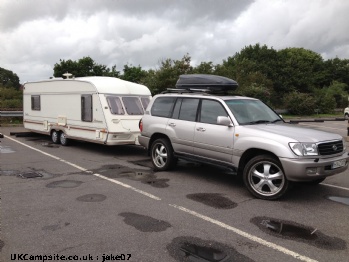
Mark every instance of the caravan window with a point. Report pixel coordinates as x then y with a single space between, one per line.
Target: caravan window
36 105
145 102
133 105
86 108
115 105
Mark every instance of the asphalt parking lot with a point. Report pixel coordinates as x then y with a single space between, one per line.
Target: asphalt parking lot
89 202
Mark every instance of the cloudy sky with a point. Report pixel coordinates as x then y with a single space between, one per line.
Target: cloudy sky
36 34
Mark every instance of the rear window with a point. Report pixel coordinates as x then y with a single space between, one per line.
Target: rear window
163 106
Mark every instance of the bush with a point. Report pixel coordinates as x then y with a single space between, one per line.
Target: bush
300 103
10 98
258 91
325 101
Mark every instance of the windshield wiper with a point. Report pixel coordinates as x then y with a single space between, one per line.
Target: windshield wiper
257 122
276 120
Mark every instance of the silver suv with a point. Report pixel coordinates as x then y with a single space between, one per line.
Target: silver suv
237 132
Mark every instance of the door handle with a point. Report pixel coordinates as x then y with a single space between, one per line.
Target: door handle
201 129
172 124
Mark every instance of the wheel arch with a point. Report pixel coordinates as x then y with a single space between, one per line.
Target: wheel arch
154 137
251 153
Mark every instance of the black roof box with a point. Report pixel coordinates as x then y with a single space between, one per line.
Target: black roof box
208 82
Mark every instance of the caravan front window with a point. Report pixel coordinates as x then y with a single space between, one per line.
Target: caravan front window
133 105
145 102
115 105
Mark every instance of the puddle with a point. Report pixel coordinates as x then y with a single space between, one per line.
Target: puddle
159 183
64 184
196 249
144 176
297 232
213 200
30 175
338 199
2 244
92 198
6 150
144 223
289 230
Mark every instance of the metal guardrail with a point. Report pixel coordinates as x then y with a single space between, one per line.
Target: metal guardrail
11 113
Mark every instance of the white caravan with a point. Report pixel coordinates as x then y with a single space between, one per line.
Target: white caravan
103 110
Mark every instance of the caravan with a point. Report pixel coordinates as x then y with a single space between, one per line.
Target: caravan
102 110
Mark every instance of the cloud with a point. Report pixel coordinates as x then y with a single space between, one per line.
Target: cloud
36 34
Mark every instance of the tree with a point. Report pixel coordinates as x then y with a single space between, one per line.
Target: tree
204 68
133 73
167 75
9 79
85 66
299 70
336 70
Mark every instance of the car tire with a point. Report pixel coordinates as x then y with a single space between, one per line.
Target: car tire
346 116
162 155
63 139
55 137
264 177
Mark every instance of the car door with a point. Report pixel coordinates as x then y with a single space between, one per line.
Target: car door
180 128
211 140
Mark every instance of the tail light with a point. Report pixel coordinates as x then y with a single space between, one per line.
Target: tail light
140 125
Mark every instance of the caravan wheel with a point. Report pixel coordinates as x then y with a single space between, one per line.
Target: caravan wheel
55 137
63 139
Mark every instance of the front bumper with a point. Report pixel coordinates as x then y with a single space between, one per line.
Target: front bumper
298 169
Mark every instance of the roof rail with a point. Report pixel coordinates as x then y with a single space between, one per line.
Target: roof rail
194 90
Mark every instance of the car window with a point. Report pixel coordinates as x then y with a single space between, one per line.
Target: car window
115 105
189 108
162 106
133 105
210 110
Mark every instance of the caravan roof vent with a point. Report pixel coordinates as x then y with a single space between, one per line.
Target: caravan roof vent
68 75
208 82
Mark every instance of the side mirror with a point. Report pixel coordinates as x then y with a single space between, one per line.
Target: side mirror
224 121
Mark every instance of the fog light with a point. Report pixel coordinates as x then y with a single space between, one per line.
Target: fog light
311 170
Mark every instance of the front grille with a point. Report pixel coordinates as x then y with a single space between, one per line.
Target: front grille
330 148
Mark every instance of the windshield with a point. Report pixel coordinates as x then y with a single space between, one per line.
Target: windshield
249 112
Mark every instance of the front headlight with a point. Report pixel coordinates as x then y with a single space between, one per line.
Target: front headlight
344 144
304 149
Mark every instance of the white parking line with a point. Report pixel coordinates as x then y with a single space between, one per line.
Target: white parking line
340 187
208 219
246 235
